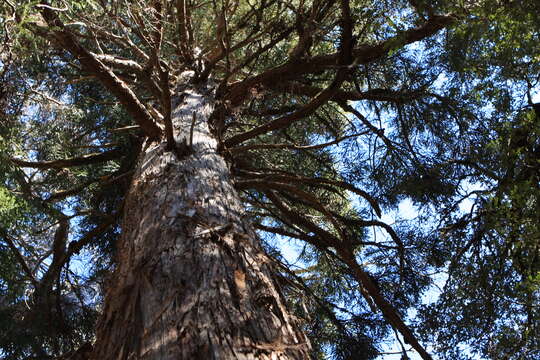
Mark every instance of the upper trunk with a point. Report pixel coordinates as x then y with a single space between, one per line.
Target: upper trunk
192 280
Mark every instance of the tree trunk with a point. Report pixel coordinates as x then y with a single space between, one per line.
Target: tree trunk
192 280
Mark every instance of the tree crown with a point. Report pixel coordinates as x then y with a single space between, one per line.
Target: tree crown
330 114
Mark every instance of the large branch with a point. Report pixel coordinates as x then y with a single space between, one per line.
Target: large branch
323 239
295 179
287 120
343 60
386 308
385 226
242 149
281 232
104 74
60 195
308 198
77 161
362 54
344 95
120 63
75 247
18 256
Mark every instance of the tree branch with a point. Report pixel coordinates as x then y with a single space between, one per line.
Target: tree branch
362 54
93 65
386 308
18 255
287 120
343 95
242 149
323 240
294 179
77 161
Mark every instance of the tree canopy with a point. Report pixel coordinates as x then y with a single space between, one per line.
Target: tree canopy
331 115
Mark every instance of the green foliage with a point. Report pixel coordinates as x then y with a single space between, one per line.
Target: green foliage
443 123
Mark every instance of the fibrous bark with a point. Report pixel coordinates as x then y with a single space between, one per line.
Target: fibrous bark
192 281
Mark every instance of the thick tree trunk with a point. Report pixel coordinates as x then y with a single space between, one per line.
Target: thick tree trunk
192 281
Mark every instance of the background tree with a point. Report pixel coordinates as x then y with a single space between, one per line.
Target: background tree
322 115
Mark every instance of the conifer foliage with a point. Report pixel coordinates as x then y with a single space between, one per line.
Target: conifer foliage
326 116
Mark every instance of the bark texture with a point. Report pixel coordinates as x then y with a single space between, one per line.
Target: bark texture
192 280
